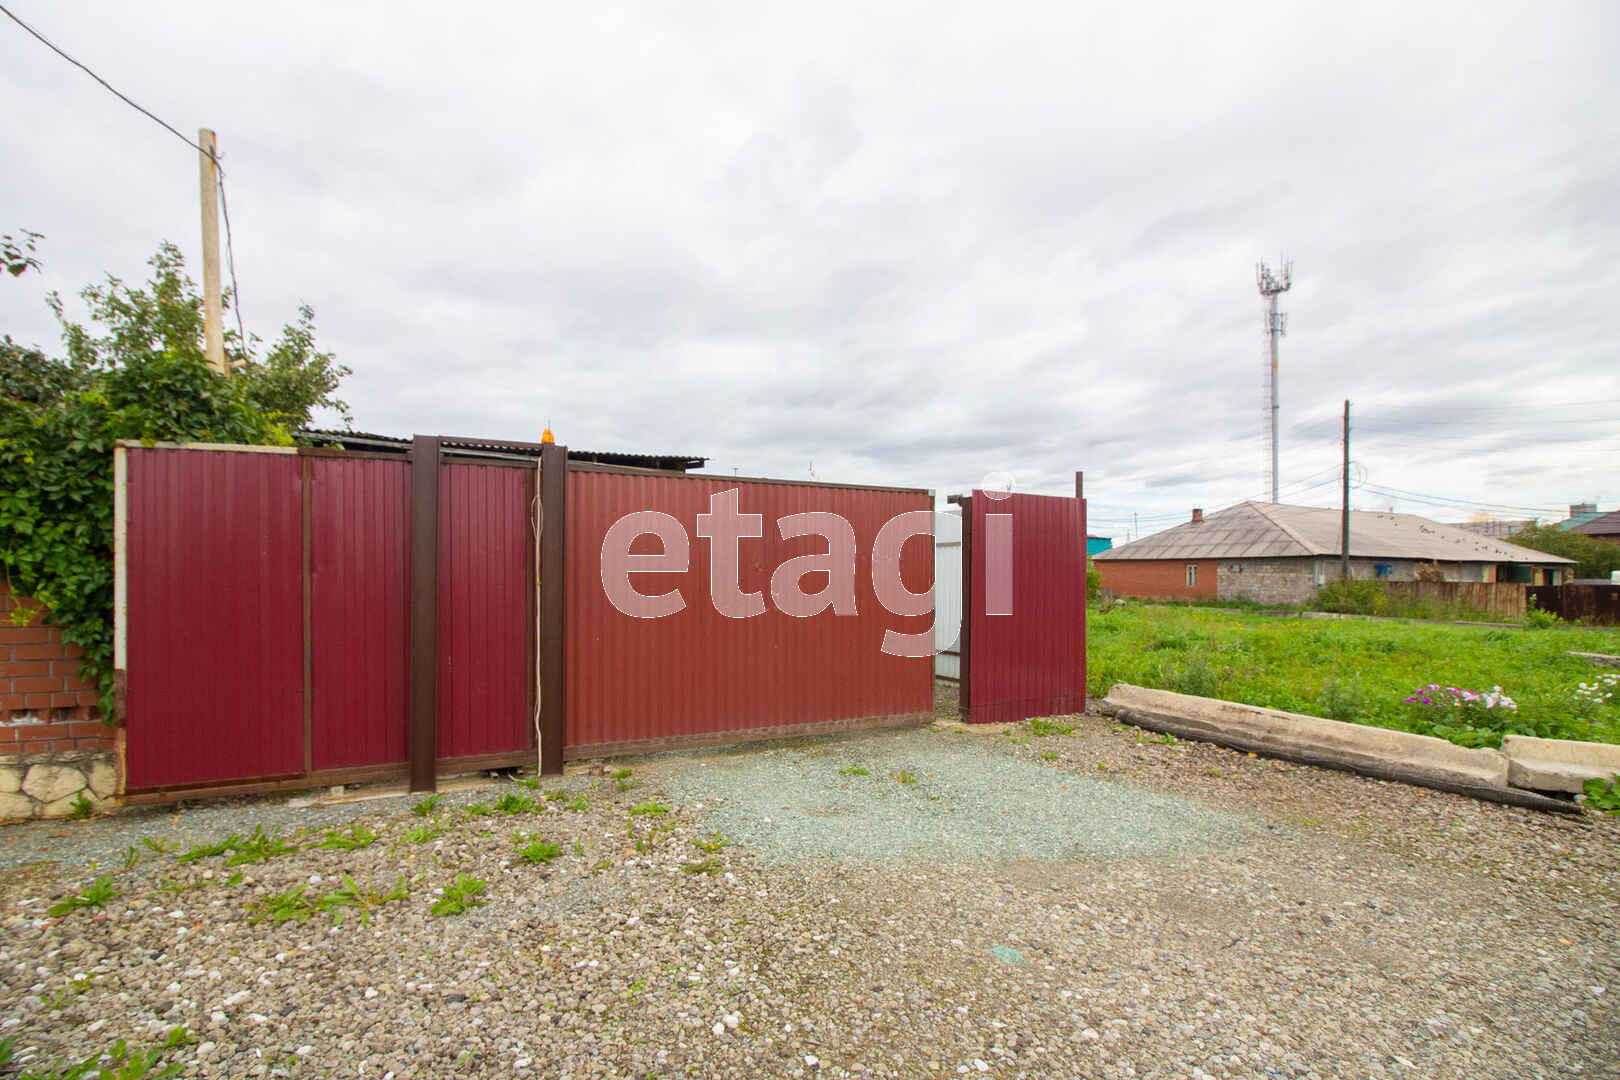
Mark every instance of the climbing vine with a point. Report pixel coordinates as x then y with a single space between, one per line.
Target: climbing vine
137 372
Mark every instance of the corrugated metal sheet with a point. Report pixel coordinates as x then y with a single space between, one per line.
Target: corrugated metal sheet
1271 530
696 671
486 617
1031 662
215 617
947 594
360 548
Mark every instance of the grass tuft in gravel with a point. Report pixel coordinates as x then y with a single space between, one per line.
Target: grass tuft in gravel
1041 727
652 808
513 803
538 851
462 894
99 892
358 836
711 843
706 866
578 803
425 806
421 834
854 770
364 899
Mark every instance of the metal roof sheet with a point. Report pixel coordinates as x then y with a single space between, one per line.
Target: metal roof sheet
366 440
1254 530
1604 524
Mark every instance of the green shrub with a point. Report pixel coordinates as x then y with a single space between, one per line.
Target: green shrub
1192 675
1343 700
1541 619
1358 596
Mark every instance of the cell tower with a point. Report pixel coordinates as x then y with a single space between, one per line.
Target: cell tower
1276 325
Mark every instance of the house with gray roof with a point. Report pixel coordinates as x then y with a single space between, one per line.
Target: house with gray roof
1277 554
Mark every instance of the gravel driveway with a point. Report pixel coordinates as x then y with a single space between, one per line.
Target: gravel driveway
920 903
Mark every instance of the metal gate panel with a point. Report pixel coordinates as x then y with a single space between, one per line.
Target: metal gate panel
637 683
486 612
1032 661
359 563
214 622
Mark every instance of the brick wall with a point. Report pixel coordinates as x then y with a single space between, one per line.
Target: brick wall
1158 579
44 706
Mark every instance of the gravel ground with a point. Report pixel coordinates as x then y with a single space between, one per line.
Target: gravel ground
1091 904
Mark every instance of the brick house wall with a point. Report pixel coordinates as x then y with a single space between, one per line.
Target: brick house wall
1159 579
45 708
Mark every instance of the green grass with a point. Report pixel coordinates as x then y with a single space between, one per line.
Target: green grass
426 805
707 866
512 803
711 843
653 809
539 851
462 894
1042 727
906 777
1358 671
356 838
81 808
430 830
98 893
854 770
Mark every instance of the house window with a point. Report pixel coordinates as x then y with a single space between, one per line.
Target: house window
1192 575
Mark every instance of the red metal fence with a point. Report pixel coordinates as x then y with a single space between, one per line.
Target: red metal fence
1024 646
294 617
265 625
636 684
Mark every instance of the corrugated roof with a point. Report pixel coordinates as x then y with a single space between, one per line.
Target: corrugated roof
366 440
1605 524
1254 530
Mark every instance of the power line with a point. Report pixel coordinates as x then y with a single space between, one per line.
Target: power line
236 292
1444 500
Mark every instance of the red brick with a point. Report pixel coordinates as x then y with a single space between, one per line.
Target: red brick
43 683
103 743
1158 579
19 635
26 668
89 731
36 652
37 701
46 746
11 702
8 734
64 700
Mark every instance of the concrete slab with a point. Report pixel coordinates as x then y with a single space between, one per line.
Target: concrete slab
1287 732
1558 764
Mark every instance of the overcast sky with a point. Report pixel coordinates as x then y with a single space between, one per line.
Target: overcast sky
909 245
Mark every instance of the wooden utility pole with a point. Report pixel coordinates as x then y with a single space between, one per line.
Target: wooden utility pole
214 324
1344 514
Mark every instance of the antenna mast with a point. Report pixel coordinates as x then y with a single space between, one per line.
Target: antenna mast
1276 325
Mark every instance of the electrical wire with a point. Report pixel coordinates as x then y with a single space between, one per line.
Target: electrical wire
219 171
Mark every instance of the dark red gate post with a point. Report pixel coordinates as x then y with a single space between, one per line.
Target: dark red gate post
424 610
553 611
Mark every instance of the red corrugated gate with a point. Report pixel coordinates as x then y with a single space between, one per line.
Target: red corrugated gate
214 617
300 616
360 568
640 683
486 610
266 618
1024 652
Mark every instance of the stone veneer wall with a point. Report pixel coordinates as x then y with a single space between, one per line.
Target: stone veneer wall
1283 582
53 745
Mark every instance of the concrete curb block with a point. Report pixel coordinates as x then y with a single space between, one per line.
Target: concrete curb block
1558 764
1354 743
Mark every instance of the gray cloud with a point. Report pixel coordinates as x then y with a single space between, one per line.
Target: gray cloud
909 245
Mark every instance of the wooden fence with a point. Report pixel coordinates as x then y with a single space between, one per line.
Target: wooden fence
1579 603
1500 600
